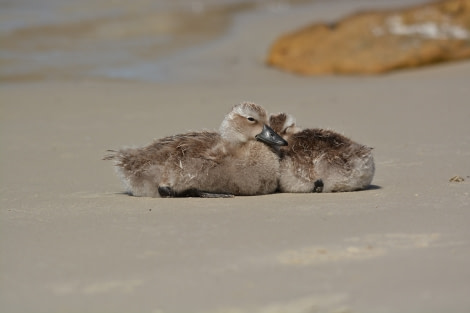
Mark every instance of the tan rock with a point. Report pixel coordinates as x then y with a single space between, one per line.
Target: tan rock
379 41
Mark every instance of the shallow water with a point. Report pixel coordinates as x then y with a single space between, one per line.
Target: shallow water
66 39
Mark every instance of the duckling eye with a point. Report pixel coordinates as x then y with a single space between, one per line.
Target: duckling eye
251 119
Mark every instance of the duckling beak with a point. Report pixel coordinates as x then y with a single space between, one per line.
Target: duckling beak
270 137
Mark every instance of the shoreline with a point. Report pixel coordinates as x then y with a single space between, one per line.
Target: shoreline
160 45
94 40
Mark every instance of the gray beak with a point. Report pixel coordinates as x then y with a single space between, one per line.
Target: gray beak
270 137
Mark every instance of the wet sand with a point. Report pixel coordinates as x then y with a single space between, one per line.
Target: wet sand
71 241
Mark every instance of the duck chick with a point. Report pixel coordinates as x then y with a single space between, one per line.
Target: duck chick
237 160
320 160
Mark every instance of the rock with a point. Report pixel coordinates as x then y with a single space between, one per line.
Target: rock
378 42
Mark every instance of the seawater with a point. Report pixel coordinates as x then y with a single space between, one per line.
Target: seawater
70 39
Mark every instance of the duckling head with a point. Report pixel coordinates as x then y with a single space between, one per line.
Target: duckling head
284 125
248 121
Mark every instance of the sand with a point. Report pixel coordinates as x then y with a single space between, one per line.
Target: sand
72 241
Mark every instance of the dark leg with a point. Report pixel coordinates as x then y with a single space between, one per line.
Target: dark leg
215 195
318 186
166 192
196 193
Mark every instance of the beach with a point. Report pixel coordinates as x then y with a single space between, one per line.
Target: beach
71 240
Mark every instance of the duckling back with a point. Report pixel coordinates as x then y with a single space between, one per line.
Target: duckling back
165 161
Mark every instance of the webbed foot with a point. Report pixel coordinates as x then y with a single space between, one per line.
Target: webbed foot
318 186
166 192
216 195
196 193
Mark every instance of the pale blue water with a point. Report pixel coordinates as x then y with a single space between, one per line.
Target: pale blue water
130 39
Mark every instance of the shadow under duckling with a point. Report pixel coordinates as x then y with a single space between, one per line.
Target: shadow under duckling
237 160
320 160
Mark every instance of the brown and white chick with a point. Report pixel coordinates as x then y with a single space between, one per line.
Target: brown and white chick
237 160
320 160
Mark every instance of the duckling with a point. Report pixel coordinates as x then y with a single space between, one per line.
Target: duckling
320 160
236 160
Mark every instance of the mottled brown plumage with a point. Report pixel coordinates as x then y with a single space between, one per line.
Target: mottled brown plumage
320 160
230 161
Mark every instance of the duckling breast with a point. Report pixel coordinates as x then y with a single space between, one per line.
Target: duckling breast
254 169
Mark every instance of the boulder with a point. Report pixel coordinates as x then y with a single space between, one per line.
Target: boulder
378 41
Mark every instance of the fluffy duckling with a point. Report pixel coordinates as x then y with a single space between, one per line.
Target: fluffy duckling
319 160
237 160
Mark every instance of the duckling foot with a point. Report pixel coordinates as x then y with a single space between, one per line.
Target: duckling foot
318 186
196 193
215 195
166 192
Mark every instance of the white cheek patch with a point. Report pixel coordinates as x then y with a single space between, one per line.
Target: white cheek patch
290 121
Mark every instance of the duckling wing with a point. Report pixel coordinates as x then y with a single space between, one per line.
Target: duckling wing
177 147
200 145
